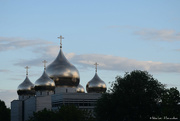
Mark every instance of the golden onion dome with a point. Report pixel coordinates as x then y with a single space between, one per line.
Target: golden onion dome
62 71
44 82
26 87
96 84
80 89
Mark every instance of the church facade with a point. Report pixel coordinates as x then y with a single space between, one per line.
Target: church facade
59 85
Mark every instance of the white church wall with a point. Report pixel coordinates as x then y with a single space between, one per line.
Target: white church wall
29 107
44 93
65 90
17 110
81 100
43 102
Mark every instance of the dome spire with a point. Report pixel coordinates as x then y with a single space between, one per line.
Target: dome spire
44 64
26 70
60 37
96 64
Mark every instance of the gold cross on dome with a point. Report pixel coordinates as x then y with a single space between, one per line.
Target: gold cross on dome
26 70
96 64
60 37
44 64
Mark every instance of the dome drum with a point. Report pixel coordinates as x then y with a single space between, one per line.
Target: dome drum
96 89
26 92
44 88
66 81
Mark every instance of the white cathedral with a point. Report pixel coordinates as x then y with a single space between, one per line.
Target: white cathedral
59 85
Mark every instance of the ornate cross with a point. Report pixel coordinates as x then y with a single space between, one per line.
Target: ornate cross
44 64
26 70
60 37
96 64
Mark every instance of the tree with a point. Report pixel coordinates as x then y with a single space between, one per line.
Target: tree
170 103
44 115
70 113
65 113
133 97
4 112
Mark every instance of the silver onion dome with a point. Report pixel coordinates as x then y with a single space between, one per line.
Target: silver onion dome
80 89
44 82
26 87
62 71
96 84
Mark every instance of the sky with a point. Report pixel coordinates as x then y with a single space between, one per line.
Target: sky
120 35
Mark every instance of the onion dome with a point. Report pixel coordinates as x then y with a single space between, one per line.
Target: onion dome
96 84
62 71
44 82
26 87
80 89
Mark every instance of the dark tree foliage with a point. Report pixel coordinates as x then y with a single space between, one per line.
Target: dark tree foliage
71 113
44 115
65 113
169 105
4 112
133 97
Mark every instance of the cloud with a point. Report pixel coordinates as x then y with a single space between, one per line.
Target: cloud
32 62
151 34
158 35
109 62
7 96
122 27
106 62
47 53
15 79
177 50
47 50
4 71
11 43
